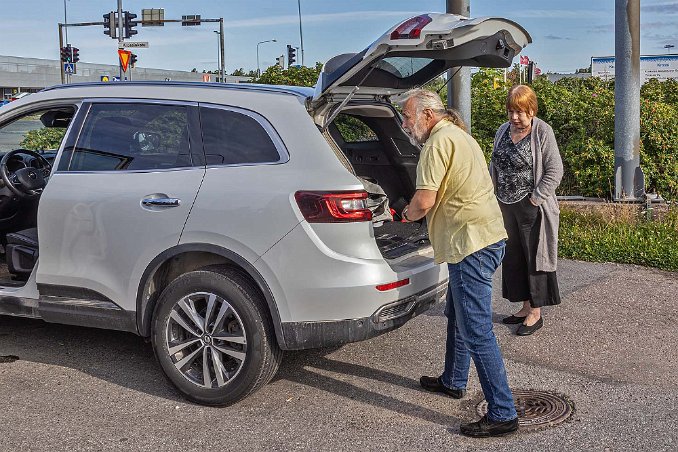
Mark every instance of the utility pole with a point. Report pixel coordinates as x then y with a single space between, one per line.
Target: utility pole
121 40
459 88
221 43
301 35
629 178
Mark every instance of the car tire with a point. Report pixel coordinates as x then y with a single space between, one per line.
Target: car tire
223 359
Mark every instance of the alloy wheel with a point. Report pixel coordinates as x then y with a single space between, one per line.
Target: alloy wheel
206 339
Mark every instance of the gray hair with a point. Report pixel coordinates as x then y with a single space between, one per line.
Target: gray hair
426 99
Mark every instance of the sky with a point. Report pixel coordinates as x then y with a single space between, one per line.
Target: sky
565 34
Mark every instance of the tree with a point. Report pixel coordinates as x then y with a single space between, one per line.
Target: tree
295 76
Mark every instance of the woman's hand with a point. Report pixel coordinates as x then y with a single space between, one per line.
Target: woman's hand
532 201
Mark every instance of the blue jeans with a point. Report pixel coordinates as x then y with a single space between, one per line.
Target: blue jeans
469 331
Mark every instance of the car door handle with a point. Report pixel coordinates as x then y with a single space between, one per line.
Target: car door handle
161 202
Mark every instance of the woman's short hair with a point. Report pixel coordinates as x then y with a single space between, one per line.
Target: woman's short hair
522 98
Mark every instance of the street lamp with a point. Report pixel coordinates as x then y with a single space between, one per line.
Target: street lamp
301 35
261 42
668 48
218 54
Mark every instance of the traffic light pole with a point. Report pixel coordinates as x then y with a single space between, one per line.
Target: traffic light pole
61 65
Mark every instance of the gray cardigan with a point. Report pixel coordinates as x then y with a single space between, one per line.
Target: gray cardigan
547 167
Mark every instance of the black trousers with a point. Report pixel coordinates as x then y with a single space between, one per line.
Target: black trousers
520 279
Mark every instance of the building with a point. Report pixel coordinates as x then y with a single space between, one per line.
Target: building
19 74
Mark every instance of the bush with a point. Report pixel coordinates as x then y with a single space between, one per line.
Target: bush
581 112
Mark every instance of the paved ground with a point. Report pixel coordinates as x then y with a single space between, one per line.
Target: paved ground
611 347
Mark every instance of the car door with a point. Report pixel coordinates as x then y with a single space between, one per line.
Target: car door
121 193
415 52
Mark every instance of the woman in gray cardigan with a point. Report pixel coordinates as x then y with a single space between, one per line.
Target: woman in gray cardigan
526 169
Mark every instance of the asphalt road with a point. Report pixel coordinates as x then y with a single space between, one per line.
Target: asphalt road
610 347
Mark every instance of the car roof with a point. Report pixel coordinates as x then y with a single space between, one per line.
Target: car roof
300 91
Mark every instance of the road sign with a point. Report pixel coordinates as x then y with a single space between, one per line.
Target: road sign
69 68
124 55
135 45
115 79
105 78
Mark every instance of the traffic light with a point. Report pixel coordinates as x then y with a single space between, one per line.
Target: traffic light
129 24
65 53
133 59
75 55
110 28
291 55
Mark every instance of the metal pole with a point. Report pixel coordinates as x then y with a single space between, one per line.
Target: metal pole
120 38
66 22
459 89
629 179
61 63
301 34
221 43
218 52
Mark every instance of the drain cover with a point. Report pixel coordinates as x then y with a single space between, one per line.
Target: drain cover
8 358
537 408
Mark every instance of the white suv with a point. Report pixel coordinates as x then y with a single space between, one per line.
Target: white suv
227 222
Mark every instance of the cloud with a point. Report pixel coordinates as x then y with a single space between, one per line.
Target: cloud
664 8
557 38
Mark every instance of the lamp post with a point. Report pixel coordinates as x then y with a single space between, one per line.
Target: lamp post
668 48
218 52
301 35
258 43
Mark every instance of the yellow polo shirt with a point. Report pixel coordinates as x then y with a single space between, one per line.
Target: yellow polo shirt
465 217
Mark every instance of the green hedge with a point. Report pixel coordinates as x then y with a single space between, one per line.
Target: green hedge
581 112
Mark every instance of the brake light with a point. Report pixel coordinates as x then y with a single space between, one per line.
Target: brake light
411 28
393 285
333 207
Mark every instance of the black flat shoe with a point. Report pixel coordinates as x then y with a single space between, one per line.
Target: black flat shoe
513 320
524 330
484 428
434 384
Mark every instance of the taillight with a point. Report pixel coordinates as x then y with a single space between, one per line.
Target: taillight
333 207
411 28
393 285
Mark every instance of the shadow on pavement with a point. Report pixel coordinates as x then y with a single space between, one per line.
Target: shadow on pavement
127 360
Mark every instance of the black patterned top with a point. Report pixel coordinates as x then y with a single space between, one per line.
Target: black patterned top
513 162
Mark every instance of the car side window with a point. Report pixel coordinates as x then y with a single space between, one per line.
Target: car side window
232 138
126 137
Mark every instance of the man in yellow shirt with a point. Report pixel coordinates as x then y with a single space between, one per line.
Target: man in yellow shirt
456 195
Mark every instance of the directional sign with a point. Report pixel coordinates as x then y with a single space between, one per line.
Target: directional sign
135 45
69 68
124 56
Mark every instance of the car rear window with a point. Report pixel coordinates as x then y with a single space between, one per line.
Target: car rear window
235 138
121 136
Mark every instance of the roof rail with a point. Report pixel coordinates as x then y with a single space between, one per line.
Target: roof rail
293 90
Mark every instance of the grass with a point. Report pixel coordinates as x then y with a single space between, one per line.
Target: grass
624 236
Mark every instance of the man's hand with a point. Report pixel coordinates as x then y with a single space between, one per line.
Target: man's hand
422 202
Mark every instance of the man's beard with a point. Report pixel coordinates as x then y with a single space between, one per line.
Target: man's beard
417 134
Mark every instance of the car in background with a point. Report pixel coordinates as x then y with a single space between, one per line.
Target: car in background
18 96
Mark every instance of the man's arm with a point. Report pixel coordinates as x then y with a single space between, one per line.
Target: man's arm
422 202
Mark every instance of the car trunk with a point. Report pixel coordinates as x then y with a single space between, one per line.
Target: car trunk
369 141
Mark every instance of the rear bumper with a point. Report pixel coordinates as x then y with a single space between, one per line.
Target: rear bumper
304 335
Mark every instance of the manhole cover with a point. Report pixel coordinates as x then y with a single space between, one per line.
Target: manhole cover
8 358
537 408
